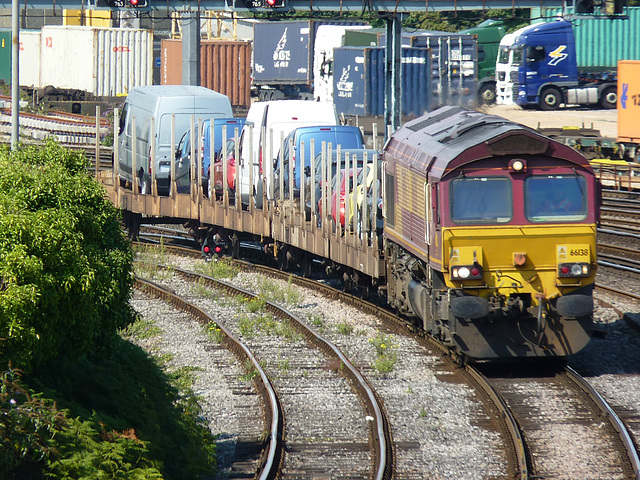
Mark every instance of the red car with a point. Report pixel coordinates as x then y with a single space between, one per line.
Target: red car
332 198
218 165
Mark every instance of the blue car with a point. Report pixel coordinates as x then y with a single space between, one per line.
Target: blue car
183 151
348 137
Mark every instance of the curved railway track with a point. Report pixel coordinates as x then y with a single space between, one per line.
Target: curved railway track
270 442
524 456
558 413
303 458
515 451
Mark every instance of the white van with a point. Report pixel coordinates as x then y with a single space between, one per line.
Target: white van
277 118
161 102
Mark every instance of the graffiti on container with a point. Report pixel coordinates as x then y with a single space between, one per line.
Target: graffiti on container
282 57
344 86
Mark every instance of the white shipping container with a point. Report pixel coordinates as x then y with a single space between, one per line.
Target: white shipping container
29 63
101 61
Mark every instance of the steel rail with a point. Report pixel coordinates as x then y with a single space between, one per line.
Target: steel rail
521 471
270 463
380 431
612 417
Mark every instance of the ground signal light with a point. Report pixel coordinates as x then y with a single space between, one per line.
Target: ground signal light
211 247
274 3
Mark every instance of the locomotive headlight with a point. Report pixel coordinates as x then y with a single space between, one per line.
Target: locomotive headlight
471 272
463 272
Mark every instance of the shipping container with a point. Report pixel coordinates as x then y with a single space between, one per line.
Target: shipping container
29 70
5 56
100 61
360 80
454 67
454 62
602 41
629 102
295 59
225 67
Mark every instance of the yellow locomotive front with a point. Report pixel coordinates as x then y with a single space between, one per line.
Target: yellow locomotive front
506 266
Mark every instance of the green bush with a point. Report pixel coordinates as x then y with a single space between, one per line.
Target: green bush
65 265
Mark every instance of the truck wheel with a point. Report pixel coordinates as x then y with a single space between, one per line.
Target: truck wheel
550 99
487 94
609 98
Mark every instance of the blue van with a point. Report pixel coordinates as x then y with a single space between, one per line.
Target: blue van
233 128
348 137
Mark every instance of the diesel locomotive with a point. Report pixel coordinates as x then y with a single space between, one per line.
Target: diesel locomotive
490 235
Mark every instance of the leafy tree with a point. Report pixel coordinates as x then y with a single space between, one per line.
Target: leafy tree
65 265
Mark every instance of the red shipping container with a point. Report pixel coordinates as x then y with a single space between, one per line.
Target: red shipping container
225 66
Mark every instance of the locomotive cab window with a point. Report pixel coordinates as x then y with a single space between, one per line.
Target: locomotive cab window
481 200
555 198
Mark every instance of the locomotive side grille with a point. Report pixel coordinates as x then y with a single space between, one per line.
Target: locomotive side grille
518 144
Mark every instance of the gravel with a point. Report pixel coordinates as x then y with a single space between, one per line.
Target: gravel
439 426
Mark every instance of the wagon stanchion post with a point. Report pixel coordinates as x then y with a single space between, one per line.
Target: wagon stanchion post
198 161
374 127
302 182
172 171
374 204
152 156
116 150
336 191
98 141
363 216
212 152
192 134
281 174
134 167
348 170
291 182
225 174
269 185
312 189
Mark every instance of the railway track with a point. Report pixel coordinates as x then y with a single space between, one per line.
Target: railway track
522 464
514 456
337 445
558 413
261 448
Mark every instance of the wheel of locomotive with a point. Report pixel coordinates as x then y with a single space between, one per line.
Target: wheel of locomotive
550 99
487 94
609 98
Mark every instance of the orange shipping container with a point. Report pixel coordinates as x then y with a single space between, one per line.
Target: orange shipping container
225 66
629 101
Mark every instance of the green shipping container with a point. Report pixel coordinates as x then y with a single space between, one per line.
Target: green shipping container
601 41
5 56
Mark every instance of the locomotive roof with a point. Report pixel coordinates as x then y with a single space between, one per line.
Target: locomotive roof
451 137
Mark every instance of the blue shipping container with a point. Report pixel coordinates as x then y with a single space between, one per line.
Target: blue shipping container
359 76
454 67
282 52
